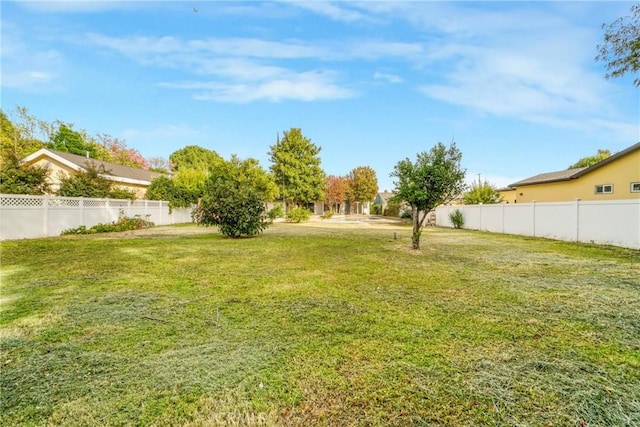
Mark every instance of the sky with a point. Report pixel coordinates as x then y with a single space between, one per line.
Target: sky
514 84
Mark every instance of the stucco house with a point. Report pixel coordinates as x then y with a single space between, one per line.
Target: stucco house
61 164
616 177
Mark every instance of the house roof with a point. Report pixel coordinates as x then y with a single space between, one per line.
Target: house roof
569 174
384 196
115 172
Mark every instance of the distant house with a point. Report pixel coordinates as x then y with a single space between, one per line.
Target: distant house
616 177
63 164
382 199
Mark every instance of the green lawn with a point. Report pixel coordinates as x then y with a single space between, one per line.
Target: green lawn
319 325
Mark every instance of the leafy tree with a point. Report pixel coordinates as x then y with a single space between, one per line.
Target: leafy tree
193 157
118 152
481 192
296 167
334 193
18 139
18 179
235 198
621 47
364 184
591 160
435 178
92 183
191 166
67 140
173 191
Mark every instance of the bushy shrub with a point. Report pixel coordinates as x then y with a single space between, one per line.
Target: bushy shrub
456 218
376 210
393 209
235 197
298 214
122 193
327 214
275 212
123 223
15 179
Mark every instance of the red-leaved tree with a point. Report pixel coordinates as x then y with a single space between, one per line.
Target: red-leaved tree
335 192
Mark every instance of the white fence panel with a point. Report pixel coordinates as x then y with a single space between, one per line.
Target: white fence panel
556 220
615 223
611 222
491 218
23 217
518 219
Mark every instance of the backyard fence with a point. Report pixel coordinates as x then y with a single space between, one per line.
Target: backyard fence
611 222
23 217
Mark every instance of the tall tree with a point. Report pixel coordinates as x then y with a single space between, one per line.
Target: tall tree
334 192
118 152
67 140
192 165
365 184
235 198
295 164
193 157
621 47
591 160
19 138
435 178
481 192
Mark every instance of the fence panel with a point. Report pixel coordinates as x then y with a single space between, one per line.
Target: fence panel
611 222
556 220
518 219
23 217
615 223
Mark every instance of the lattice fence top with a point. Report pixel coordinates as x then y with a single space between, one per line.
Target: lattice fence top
94 203
19 201
63 202
25 201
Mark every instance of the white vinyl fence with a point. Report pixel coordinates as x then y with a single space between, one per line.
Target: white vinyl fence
23 217
611 222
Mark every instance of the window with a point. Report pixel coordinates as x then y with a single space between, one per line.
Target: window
604 189
635 187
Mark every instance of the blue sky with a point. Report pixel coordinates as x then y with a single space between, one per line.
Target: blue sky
514 83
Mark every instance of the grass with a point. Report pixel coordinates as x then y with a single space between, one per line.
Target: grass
318 325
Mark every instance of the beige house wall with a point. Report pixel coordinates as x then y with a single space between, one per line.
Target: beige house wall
508 195
620 173
59 171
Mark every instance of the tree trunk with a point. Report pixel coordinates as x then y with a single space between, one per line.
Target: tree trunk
417 226
415 237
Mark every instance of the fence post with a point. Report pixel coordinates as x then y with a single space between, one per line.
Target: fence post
82 211
480 216
503 210
533 206
129 208
107 207
45 218
577 220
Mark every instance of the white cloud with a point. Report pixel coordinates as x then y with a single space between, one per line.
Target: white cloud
388 78
335 11
73 6
309 86
27 68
